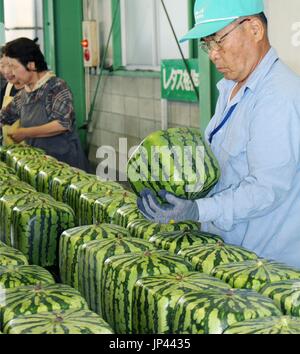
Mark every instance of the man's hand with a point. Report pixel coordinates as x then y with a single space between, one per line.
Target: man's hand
17 134
176 210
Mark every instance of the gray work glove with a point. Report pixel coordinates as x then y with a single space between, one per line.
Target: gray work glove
175 210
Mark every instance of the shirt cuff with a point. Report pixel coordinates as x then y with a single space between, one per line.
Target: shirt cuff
217 211
208 209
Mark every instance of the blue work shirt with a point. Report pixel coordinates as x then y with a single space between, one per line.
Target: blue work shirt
256 203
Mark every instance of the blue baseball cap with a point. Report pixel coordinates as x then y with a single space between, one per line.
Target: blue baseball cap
213 15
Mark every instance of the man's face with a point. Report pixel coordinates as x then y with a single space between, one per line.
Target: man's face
236 56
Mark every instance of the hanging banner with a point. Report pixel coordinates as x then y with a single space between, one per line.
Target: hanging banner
175 81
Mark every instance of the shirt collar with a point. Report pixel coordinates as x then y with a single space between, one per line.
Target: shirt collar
259 73
41 82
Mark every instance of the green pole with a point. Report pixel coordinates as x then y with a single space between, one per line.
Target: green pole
193 47
49 41
2 27
116 34
68 15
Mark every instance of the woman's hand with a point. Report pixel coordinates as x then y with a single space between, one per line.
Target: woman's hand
18 134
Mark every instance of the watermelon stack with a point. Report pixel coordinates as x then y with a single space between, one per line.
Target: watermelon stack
48 172
60 185
15 187
127 213
86 208
3 151
24 275
26 300
155 298
177 240
37 226
10 257
91 258
145 229
29 170
254 274
59 322
5 170
205 258
10 190
13 155
266 325
212 311
73 238
184 166
120 276
285 294
105 207
4 178
7 204
74 191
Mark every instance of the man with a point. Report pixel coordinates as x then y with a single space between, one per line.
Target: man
254 134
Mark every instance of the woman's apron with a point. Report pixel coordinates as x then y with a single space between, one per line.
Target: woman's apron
65 147
8 129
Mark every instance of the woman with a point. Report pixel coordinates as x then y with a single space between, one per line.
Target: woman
8 91
44 106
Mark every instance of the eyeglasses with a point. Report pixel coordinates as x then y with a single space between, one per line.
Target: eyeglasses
214 44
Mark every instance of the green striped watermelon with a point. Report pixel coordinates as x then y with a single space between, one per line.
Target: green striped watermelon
127 213
266 325
59 322
36 229
14 187
75 190
26 300
7 204
154 299
6 170
120 275
106 207
19 165
205 258
60 185
24 275
4 178
48 172
91 258
212 311
17 153
27 162
5 148
70 241
86 207
254 274
145 229
185 167
175 241
17 161
285 294
11 256
30 170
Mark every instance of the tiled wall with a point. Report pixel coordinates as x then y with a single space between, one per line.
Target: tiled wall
130 107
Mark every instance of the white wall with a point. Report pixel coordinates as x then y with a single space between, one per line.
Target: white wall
284 30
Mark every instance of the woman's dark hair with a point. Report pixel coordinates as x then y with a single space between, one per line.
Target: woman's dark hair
26 50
